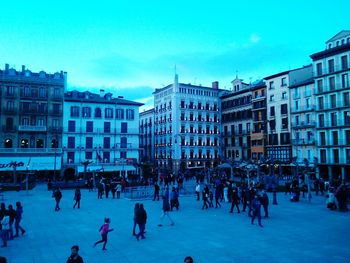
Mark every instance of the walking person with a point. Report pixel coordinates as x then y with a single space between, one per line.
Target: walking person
107 189
113 189
156 192
119 189
198 190
265 203
172 198
136 209
256 207
19 213
234 200
141 219
74 257
217 196
57 194
104 230
5 228
205 196
12 215
77 198
166 209
100 190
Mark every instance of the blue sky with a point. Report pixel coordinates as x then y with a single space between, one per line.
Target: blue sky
130 47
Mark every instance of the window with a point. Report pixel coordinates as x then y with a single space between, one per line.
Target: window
248 127
124 127
296 120
344 80
321 120
347 137
319 69
71 143
25 121
285 138
284 123
70 157
344 62
123 155
123 142
272 97
40 122
307 118
307 103
331 65
10 91
334 119
88 142
71 126
74 111
307 91
272 125
347 157
331 83
335 137
284 109
42 93
272 111
336 155
86 112
57 93
98 113
55 123
39 143
320 86
108 113
89 126
8 143
284 82
271 85
182 105
284 95
107 127
24 143
119 114
296 93
346 117
88 155
323 156
333 101
106 142
322 138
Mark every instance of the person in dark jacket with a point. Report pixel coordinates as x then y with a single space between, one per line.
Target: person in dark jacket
205 196
57 194
141 219
235 200
265 203
156 192
256 208
77 197
136 209
217 196
18 218
74 257
12 214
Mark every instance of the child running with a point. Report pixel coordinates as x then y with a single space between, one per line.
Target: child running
104 230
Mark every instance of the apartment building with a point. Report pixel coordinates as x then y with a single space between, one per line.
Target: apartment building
147 135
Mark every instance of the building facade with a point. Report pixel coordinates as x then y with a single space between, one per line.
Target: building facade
259 121
331 75
187 126
147 135
303 116
101 130
31 119
237 121
279 148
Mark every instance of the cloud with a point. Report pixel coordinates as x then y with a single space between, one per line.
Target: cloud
254 38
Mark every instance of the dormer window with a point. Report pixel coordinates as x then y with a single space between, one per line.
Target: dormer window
343 41
330 45
337 43
348 40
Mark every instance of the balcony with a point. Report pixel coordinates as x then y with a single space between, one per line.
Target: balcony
31 150
328 89
33 111
32 128
302 109
301 142
56 112
259 97
303 125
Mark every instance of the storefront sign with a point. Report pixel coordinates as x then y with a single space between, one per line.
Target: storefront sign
30 163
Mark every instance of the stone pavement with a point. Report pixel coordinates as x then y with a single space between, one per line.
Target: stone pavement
295 232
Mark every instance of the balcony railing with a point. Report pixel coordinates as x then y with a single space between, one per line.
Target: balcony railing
31 128
303 142
30 150
303 124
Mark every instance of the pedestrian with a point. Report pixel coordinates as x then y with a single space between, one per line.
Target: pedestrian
205 195
211 198
188 259
198 190
5 228
12 215
100 189
317 186
256 206
156 192
77 198
136 209
57 194
166 209
217 196
19 213
74 257
113 189
3 211
104 230
234 200
119 189
141 219
265 203
107 189
172 198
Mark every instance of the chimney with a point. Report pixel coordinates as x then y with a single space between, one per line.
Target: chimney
7 67
102 93
215 85
23 68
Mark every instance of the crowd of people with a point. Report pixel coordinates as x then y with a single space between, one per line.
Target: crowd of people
10 220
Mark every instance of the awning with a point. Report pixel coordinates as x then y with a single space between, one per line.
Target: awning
224 166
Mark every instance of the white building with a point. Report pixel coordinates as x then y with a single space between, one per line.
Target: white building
332 89
187 126
147 135
101 129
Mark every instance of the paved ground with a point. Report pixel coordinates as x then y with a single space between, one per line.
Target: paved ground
295 232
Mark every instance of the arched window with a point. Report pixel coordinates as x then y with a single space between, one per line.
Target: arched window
330 45
343 41
39 143
98 113
348 40
9 123
8 143
337 43
24 143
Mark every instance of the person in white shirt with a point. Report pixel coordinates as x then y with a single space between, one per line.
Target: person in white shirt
198 191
